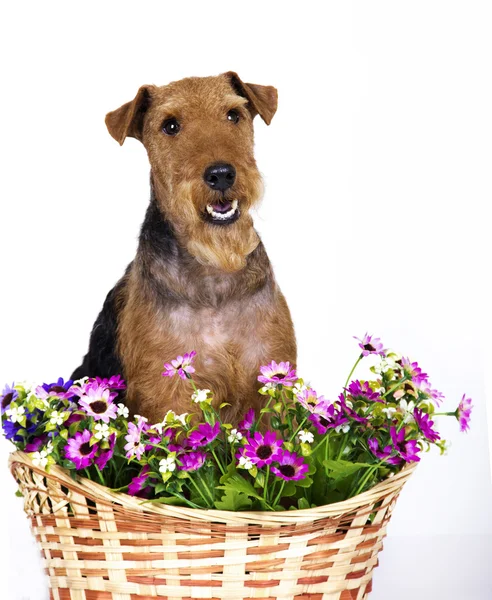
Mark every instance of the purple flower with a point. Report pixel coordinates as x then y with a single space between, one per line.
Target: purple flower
463 413
406 450
413 371
134 447
247 422
138 487
281 373
8 395
425 387
115 382
36 443
192 461
370 345
97 401
361 390
425 425
17 432
262 450
105 455
182 365
60 389
290 466
349 411
79 450
205 434
325 416
309 399
152 442
385 453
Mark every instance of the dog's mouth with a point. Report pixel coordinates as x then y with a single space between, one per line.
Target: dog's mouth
223 213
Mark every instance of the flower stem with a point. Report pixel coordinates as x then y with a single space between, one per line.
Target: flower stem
351 373
101 478
279 494
391 390
199 491
367 476
265 495
298 429
342 446
218 462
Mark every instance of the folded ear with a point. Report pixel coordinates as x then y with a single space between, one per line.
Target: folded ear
127 121
262 99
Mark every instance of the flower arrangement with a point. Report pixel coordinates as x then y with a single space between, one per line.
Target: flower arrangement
299 451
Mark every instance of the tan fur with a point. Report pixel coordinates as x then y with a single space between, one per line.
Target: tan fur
219 296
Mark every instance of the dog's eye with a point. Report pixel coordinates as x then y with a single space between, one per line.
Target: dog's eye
233 116
171 126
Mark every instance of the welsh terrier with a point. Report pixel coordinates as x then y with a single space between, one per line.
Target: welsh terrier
201 279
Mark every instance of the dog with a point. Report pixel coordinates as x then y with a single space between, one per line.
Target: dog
201 279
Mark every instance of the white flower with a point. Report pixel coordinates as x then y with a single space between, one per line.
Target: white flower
268 386
389 411
39 459
160 426
306 437
141 419
380 390
245 463
123 411
200 396
101 431
234 436
344 428
299 388
182 418
171 416
407 409
49 447
56 418
80 382
15 414
167 465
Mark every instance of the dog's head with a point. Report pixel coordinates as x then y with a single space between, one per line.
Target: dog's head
198 133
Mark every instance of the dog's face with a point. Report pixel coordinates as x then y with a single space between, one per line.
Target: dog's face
198 133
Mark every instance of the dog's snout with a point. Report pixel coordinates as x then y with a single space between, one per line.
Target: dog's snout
220 176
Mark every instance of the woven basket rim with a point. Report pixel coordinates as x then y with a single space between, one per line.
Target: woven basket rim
100 493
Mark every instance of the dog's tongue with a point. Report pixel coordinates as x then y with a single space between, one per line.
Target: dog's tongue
223 207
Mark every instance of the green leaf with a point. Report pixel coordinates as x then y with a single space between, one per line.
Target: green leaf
236 482
302 503
19 494
160 487
167 500
304 483
68 464
339 469
230 471
233 500
224 404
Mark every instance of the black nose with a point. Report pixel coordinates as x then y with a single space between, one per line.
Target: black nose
220 176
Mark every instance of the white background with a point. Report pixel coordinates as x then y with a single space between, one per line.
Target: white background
376 216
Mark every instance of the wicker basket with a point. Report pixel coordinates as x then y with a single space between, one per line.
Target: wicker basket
100 545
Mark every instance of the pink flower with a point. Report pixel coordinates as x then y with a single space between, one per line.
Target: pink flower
135 447
425 425
192 461
79 450
370 345
463 413
138 487
324 416
182 366
309 399
413 371
290 467
97 401
361 390
115 382
262 449
205 434
105 455
281 373
247 422
407 450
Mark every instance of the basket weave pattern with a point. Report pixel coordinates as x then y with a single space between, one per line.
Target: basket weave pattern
100 545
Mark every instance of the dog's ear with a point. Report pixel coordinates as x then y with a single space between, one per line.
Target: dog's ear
262 99
127 121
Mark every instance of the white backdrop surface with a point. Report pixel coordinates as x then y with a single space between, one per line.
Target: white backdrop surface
375 216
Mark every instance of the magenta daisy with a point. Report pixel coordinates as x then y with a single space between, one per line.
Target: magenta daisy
97 401
290 466
135 446
349 411
182 366
370 345
385 453
463 413
60 389
406 450
247 422
325 416
425 425
105 455
79 450
192 461
116 382
263 449
361 390
308 398
205 434
413 371
138 485
281 373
